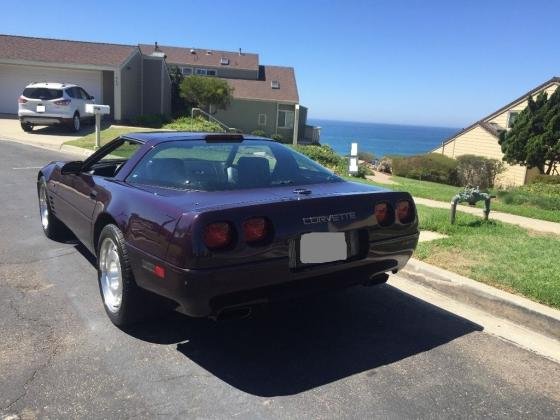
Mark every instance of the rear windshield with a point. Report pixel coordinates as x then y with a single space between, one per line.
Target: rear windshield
198 165
42 93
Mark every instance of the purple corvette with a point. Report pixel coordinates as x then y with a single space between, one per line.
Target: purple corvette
221 222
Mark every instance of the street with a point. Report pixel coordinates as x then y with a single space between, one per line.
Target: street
363 352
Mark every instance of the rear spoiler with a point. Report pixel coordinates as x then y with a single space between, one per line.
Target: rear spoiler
233 138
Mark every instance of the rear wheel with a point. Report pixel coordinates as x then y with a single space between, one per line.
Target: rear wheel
52 227
121 297
27 127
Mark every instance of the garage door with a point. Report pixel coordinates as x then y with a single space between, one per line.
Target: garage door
14 78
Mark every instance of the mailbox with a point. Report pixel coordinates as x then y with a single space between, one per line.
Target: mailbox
98 109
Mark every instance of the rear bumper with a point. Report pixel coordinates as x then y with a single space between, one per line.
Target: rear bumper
44 119
206 292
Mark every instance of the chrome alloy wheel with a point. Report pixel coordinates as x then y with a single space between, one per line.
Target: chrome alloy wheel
43 206
111 275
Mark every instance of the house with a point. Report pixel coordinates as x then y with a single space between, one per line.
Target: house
117 75
264 97
134 80
481 138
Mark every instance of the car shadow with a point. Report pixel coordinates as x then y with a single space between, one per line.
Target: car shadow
293 346
64 131
296 345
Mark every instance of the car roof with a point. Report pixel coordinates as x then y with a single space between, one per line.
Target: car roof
52 85
155 137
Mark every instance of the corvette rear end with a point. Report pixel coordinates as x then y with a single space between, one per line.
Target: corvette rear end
303 240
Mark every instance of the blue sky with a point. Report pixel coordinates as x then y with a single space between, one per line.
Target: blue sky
443 63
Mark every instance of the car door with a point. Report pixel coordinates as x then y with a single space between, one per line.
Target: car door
89 185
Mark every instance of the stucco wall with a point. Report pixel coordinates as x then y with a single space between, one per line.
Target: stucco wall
243 115
151 75
108 90
130 88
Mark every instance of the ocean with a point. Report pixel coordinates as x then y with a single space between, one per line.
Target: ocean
381 139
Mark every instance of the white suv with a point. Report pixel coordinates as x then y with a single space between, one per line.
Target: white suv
47 103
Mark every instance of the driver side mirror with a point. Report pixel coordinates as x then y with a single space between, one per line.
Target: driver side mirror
74 167
91 98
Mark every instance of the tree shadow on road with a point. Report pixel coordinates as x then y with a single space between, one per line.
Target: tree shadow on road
294 346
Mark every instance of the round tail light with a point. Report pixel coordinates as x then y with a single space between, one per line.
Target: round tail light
383 214
405 212
218 235
255 229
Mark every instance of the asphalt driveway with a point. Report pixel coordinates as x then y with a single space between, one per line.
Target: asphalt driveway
362 353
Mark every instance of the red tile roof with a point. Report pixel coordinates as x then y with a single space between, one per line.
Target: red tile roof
261 89
63 51
180 55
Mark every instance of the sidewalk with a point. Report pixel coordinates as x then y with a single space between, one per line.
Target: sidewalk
524 222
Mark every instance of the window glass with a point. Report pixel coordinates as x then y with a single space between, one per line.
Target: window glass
198 165
201 72
124 151
262 119
42 93
285 119
83 93
211 72
187 71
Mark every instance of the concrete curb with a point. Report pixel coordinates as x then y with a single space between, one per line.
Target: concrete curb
517 309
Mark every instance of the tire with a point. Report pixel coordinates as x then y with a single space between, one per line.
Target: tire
52 227
76 124
27 127
122 299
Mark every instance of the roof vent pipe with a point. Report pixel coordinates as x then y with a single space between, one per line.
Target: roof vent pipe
240 51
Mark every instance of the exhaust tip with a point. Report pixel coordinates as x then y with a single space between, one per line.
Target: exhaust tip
234 314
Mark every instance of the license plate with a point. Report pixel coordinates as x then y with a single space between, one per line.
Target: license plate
40 108
322 247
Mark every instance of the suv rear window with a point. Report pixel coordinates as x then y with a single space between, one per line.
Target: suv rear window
42 93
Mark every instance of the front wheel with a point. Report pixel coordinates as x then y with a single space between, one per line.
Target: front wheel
121 296
52 227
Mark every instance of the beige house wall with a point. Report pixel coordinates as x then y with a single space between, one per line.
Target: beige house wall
502 119
480 142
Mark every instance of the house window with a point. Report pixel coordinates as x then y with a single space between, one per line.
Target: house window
511 118
285 119
262 119
275 84
205 72
224 61
187 71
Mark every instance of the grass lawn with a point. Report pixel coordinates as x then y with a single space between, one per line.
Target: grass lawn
495 253
442 192
110 133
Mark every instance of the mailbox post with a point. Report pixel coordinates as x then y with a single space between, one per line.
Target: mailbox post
353 160
98 111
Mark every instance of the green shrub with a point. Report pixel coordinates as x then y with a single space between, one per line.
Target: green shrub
259 133
546 179
429 167
366 156
327 157
544 196
478 171
277 137
194 124
152 120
